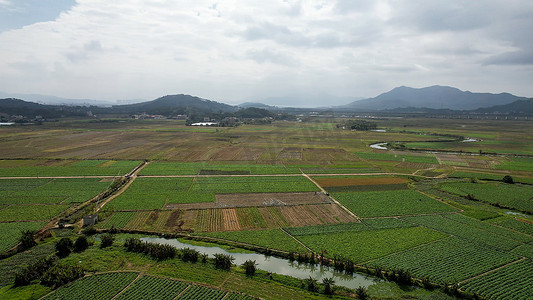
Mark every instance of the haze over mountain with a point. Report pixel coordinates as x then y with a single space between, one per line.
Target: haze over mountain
435 97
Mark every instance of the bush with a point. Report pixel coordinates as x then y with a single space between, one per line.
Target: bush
361 293
34 271
107 240
508 179
188 254
26 239
81 244
59 275
64 247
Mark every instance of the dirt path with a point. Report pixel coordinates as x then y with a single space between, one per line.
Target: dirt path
132 176
309 249
333 199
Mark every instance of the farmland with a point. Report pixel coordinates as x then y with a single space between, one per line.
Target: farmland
248 185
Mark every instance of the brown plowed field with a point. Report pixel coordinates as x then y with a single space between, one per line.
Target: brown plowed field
330 182
331 213
299 216
230 220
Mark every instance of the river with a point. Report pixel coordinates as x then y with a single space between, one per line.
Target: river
279 265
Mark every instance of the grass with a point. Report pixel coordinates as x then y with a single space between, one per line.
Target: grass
390 203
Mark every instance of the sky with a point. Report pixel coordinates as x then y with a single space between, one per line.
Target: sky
288 53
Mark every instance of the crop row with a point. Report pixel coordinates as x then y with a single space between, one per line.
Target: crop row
365 224
511 282
149 287
103 286
465 231
31 212
516 164
426 159
118 220
390 203
11 232
447 261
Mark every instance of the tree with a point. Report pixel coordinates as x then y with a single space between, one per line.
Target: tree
26 239
107 240
223 261
249 267
81 244
311 284
64 247
508 179
328 285
361 293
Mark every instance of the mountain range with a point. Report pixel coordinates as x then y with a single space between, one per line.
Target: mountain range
434 99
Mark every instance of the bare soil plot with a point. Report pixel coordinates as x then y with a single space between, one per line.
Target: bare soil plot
230 220
300 216
327 154
331 213
290 154
226 153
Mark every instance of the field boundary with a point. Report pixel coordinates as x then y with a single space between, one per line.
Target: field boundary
493 270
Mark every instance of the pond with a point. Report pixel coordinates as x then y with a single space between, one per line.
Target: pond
279 265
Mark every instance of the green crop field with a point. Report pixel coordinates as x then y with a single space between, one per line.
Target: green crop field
517 164
102 286
390 203
425 159
196 292
150 287
365 224
514 224
466 231
446 261
117 220
43 168
31 212
515 196
512 282
370 244
12 231
270 238
264 184
66 190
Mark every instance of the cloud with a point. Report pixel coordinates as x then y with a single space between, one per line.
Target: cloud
238 50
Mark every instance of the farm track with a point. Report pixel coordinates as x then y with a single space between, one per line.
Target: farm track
132 176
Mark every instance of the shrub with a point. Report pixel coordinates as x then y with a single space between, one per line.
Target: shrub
26 239
361 293
59 275
508 179
34 271
107 240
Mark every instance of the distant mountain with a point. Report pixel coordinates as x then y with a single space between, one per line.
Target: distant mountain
12 106
519 106
257 105
434 97
53 100
175 104
308 100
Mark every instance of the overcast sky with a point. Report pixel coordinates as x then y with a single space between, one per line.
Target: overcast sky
236 51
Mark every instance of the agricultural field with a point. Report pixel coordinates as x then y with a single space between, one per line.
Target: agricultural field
362 246
12 231
514 281
390 203
424 159
150 287
520 225
448 260
46 168
361 183
515 196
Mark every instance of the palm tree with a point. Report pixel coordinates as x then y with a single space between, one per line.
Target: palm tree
328 285
311 283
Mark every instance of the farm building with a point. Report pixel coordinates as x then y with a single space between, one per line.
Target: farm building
89 220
